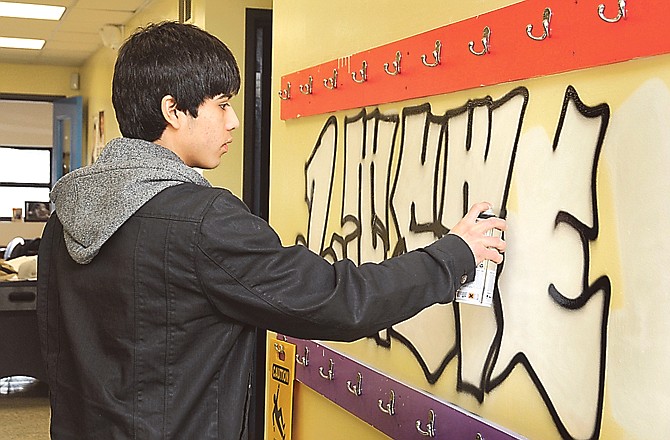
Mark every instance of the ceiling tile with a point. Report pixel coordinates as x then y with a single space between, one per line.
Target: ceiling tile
23 28
73 39
117 5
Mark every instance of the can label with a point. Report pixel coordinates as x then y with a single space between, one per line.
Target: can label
480 290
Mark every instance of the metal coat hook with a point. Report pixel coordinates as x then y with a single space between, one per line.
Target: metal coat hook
396 65
620 15
331 373
286 93
279 348
389 408
303 360
306 89
364 74
546 21
437 54
486 41
430 426
356 389
331 83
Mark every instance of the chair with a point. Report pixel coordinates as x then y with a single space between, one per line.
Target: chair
19 247
13 247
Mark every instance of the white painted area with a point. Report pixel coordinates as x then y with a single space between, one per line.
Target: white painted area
637 148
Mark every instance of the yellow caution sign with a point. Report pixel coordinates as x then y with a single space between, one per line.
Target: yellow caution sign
279 399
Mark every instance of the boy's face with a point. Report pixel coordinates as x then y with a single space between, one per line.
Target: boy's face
206 138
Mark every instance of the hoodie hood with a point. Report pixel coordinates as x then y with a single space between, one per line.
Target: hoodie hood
93 202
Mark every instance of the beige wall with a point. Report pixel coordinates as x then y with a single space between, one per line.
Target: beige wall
26 123
10 230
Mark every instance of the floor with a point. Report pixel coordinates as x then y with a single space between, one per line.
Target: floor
24 409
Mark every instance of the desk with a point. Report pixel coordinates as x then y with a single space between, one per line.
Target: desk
19 338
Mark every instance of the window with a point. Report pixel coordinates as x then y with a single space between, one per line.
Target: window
25 176
26 139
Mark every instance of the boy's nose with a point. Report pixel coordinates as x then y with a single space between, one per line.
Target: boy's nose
233 122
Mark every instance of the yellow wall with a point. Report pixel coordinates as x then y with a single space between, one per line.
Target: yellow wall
96 86
305 35
630 184
36 80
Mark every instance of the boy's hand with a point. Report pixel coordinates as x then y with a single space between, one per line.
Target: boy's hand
473 232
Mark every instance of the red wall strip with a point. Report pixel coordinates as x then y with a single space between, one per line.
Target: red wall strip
578 39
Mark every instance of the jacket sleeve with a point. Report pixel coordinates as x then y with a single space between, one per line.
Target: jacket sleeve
250 277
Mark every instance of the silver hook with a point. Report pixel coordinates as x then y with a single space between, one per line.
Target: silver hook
620 15
437 54
303 360
331 373
364 74
306 89
286 93
356 389
331 83
396 65
430 426
486 40
389 408
546 21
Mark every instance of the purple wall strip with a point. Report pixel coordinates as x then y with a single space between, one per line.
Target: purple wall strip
374 404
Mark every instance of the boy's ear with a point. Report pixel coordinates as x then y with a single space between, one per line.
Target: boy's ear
172 115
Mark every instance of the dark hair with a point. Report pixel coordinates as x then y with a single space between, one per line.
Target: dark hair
168 58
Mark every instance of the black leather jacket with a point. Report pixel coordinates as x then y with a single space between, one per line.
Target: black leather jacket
154 338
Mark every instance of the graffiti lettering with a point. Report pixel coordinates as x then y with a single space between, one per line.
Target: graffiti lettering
394 201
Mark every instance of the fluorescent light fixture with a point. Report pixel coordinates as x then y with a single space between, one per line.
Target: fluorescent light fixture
29 10
21 43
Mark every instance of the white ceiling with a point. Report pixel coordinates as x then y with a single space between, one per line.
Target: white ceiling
71 40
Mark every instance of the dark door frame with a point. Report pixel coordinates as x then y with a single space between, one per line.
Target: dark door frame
256 175
257 96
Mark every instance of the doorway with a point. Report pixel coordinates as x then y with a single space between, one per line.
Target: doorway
68 117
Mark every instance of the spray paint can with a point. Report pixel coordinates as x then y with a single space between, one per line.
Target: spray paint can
480 290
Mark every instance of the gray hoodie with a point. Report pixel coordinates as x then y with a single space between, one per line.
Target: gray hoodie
94 201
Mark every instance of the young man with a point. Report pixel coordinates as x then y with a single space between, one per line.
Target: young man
151 282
